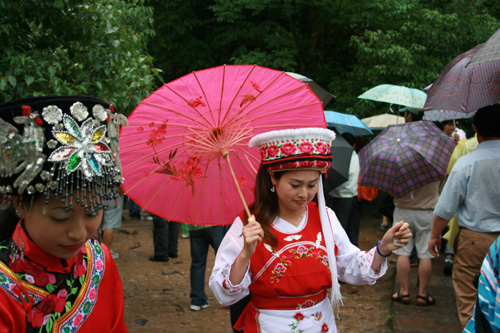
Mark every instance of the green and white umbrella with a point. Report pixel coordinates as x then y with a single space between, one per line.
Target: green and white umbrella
394 94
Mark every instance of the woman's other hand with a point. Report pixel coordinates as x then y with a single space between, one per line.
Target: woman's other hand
395 237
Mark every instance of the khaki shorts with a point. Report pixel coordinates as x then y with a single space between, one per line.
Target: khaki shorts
420 222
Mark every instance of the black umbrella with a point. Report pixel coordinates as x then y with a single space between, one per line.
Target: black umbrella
324 96
339 170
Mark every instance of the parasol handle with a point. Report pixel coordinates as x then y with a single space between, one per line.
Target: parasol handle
225 153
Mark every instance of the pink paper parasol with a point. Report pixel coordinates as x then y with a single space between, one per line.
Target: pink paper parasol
175 152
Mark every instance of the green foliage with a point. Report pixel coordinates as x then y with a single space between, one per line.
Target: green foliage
110 48
345 46
413 48
58 47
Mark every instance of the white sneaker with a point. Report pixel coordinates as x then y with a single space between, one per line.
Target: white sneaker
114 255
147 218
193 307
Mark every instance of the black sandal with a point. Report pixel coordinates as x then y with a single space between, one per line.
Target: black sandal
403 299
425 300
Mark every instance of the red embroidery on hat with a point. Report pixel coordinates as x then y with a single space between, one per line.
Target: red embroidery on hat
288 148
306 147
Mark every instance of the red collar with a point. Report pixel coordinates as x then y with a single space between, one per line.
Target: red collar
36 254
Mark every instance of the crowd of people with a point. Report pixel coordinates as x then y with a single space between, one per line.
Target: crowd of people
60 184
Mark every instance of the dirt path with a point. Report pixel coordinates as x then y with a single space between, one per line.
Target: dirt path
157 294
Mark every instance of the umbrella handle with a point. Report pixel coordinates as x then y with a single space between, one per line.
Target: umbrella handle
225 154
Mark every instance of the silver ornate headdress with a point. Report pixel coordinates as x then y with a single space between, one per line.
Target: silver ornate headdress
63 146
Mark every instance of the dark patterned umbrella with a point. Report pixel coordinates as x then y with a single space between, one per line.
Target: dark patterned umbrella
465 88
404 157
489 52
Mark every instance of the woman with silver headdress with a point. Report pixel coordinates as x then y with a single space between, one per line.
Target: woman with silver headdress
292 249
58 169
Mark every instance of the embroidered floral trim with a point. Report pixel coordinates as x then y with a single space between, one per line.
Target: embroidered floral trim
279 150
321 166
299 317
51 307
318 316
307 304
365 259
74 322
279 270
46 310
226 283
324 328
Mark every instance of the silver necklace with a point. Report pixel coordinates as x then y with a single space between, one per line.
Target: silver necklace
300 219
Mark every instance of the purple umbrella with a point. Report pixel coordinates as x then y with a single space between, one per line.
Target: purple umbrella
465 88
489 52
404 157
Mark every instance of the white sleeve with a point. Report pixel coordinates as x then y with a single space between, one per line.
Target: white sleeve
353 264
219 283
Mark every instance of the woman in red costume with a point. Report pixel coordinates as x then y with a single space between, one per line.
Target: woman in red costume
291 247
57 170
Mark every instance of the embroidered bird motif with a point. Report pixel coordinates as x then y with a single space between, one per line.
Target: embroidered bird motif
319 238
270 249
293 237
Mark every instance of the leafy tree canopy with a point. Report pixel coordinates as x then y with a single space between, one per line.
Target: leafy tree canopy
58 47
346 46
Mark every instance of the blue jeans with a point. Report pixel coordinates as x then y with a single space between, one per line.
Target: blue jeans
200 240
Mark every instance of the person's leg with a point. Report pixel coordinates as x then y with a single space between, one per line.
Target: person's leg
403 273
107 236
386 206
340 207
448 260
160 239
424 276
403 261
236 309
385 225
215 236
414 257
133 208
173 238
111 220
199 250
145 215
354 220
471 250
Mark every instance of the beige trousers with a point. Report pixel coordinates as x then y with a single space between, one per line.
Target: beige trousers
471 249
